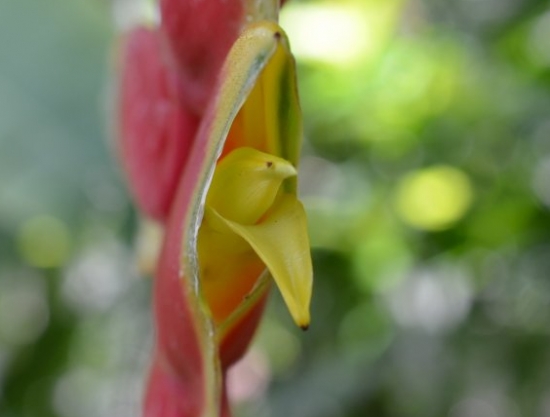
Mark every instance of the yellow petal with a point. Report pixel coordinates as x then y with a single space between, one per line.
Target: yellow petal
281 241
246 183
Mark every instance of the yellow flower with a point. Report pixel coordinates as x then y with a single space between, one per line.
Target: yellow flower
251 221
247 211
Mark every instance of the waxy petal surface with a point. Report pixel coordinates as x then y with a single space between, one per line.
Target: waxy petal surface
281 241
246 183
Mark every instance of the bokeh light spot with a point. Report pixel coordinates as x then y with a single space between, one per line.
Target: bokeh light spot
435 297
44 241
248 379
433 198
98 277
330 33
130 13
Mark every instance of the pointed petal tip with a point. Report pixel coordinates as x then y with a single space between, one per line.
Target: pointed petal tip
302 319
282 169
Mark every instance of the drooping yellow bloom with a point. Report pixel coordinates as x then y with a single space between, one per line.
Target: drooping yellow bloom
248 218
250 223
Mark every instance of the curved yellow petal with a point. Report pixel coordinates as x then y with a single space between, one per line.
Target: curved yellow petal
281 241
246 183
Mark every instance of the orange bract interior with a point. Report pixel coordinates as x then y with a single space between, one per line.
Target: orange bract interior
249 126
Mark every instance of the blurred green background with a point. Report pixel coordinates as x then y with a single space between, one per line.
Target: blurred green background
426 175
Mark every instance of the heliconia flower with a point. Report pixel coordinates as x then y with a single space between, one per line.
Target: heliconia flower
235 223
247 222
226 193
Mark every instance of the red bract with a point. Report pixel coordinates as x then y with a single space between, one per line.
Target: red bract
156 129
178 112
185 356
199 34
